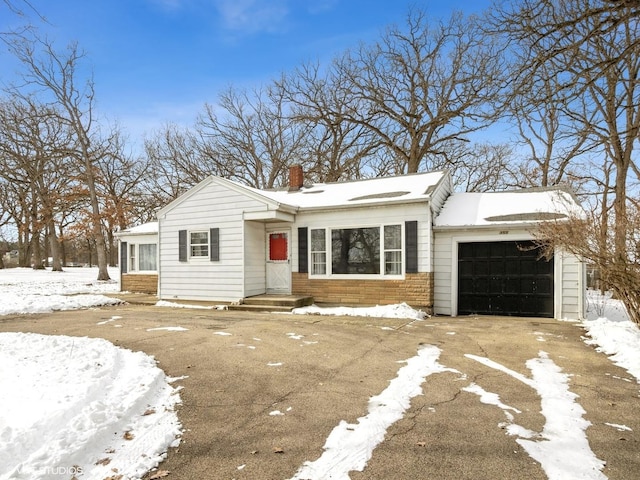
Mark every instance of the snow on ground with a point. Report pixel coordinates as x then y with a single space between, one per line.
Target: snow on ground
401 310
77 406
612 333
24 290
46 423
350 446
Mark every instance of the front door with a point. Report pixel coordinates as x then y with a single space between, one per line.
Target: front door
278 264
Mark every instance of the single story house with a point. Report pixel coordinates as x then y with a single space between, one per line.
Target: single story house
385 240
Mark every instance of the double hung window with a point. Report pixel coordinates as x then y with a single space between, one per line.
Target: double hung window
143 257
199 244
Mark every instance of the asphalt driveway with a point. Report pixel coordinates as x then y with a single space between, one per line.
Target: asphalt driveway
263 391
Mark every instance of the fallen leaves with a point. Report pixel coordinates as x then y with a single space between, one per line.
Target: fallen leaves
159 474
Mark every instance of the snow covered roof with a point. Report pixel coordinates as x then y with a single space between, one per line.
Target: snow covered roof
400 189
143 229
516 207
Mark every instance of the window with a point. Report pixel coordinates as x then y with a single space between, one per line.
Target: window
392 250
142 257
147 256
132 257
199 244
318 252
355 251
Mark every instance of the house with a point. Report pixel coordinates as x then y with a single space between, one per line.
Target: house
139 258
374 241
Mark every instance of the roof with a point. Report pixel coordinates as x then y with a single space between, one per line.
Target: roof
511 208
401 189
143 229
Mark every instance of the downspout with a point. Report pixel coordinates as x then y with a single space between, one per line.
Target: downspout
158 263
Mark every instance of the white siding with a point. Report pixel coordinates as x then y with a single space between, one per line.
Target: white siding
212 207
568 271
443 264
572 287
255 257
362 217
440 195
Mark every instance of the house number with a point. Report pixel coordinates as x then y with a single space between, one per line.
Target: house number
504 232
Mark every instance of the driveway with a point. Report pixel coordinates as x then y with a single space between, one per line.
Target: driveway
262 392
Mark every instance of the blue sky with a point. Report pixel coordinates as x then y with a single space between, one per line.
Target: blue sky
158 61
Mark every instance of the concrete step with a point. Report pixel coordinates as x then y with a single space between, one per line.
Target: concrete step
273 303
260 308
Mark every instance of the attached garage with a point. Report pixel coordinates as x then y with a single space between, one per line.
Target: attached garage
486 261
504 278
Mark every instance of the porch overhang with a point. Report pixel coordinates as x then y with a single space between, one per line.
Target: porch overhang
270 216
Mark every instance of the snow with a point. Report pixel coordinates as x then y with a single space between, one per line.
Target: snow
414 187
78 407
401 310
24 290
81 404
142 229
121 412
469 208
350 446
562 447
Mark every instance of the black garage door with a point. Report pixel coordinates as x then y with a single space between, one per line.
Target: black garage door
504 278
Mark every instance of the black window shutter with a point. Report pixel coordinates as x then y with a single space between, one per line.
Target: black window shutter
411 246
303 256
214 244
123 257
182 245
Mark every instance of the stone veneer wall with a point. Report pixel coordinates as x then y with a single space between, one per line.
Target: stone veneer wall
139 283
416 290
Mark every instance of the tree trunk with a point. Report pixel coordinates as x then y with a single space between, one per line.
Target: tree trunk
36 252
54 246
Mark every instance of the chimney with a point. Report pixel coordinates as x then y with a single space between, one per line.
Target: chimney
296 178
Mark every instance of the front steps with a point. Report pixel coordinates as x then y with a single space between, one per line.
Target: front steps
272 303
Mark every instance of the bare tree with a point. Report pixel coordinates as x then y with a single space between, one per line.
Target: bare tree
252 138
554 143
557 28
33 145
422 89
597 60
119 177
337 149
54 75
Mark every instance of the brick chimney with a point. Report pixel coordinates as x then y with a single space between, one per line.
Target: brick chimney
296 178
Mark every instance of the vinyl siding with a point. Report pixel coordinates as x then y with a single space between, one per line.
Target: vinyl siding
214 206
255 256
572 288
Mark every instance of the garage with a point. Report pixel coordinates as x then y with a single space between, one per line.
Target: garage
504 278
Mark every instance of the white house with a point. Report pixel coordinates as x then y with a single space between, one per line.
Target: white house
374 241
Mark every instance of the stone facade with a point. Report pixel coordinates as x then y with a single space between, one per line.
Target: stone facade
139 283
416 290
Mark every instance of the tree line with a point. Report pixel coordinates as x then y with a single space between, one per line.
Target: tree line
558 78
